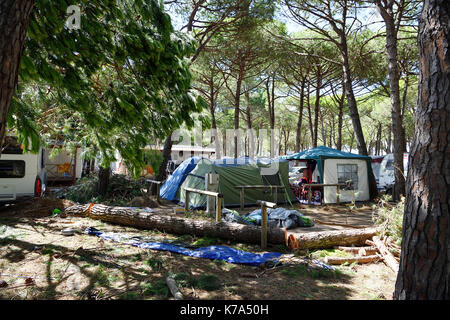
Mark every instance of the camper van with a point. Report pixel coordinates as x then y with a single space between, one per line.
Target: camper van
386 173
21 174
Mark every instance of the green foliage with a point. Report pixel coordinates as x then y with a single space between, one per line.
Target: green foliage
389 218
158 289
206 241
121 190
204 282
153 158
114 84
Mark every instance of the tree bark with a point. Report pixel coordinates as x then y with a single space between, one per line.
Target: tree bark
167 150
317 107
14 20
424 263
224 230
300 116
103 180
387 14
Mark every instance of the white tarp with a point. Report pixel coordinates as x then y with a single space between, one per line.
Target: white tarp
330 176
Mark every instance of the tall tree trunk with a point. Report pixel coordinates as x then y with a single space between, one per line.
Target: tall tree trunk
317 107
340 120
14 20
311 127
300 116
167 150
394 91
352 107
424 263
237 100
103 180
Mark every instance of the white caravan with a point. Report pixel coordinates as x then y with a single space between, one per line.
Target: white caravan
22 175
386 175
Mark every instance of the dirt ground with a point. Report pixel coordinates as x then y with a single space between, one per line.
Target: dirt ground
38 262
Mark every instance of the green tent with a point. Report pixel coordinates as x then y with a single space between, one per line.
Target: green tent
237 172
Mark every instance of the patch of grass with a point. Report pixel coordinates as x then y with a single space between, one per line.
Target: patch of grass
129 296
206 241
330 253
304 271
158 289
48 251
155 263
206 282
209 282
101 277
136 257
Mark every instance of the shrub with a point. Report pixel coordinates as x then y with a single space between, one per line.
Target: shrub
389 218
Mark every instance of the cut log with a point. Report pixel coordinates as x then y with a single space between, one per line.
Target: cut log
338 224
177 225
388 257
230 231
330 239
357 259
173 288
359 250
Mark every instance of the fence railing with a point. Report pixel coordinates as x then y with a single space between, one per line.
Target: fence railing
217 195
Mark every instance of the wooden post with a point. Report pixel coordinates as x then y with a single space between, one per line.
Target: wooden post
218 208
242 198
186 202
338 194
157 192
264 227
309 194
264 206
275 196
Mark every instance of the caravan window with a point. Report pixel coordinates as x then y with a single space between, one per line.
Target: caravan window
12 168
348 173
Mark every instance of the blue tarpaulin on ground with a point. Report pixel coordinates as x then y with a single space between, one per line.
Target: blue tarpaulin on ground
211 252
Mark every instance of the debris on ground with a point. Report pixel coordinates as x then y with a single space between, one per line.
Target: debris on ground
122 190
279 217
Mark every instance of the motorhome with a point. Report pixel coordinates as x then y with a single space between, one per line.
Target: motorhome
22 174
386 173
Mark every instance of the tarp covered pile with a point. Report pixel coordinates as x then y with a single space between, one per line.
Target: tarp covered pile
279 217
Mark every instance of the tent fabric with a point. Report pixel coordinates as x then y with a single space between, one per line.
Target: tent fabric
232 173
322 153
223 253
330 177
169 189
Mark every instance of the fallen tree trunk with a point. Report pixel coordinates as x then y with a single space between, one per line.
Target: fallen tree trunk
230 231
357 259
176 225
330 239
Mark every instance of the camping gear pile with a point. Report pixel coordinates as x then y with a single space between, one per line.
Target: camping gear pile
279 217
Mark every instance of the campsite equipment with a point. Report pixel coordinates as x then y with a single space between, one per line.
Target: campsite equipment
335 166
232 172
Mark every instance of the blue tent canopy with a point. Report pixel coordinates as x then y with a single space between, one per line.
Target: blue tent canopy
323 152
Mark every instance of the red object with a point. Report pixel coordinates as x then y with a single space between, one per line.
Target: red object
38 188
29 281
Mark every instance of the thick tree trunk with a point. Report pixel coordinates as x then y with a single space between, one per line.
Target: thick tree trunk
224 230
424 263
103 180
14 19
394 91
340 119
167 150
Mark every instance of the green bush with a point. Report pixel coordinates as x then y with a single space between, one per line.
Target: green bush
389 218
